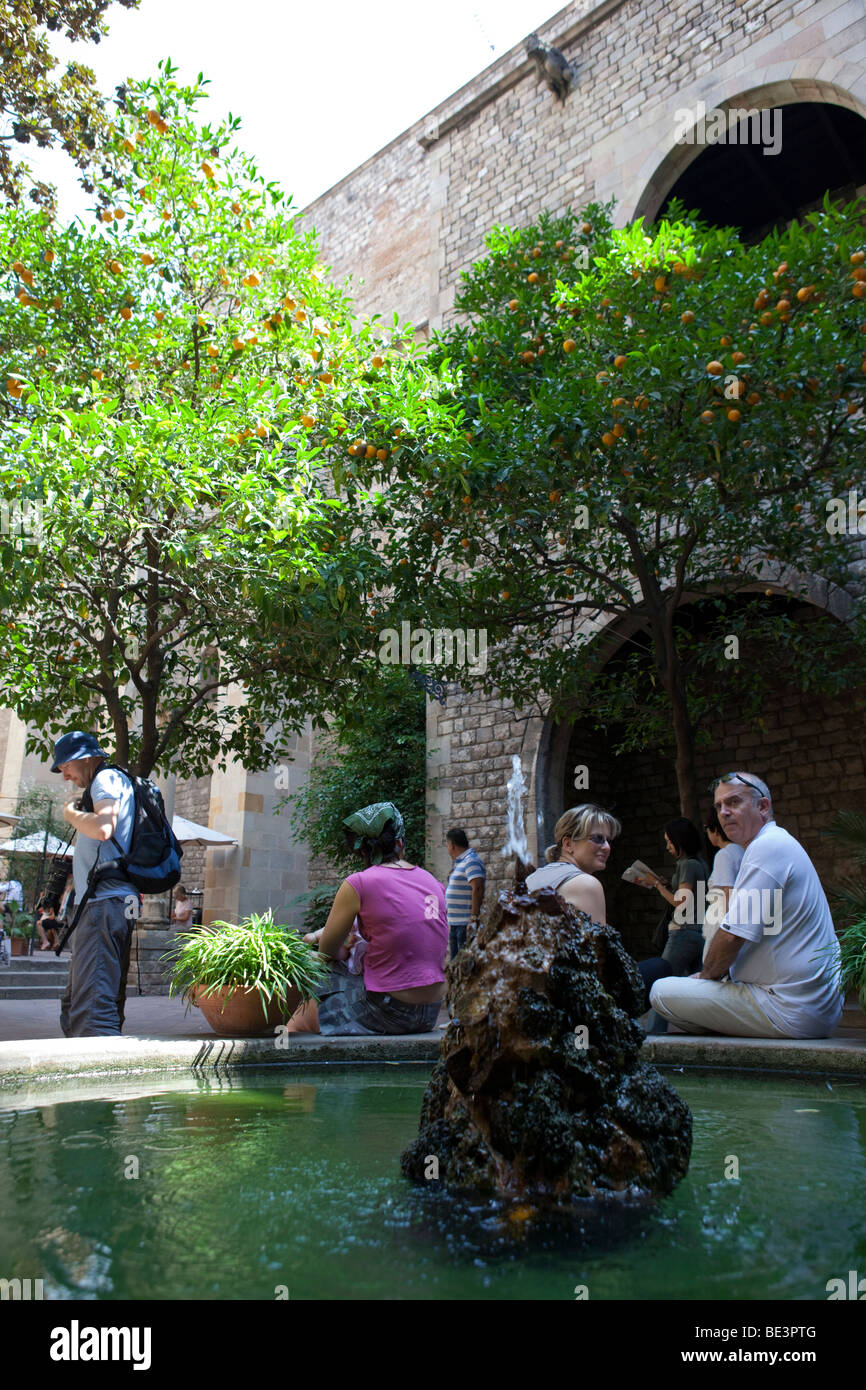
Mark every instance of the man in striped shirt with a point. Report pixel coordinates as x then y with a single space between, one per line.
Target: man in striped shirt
464 892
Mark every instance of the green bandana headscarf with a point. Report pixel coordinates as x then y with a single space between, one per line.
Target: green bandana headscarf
370 821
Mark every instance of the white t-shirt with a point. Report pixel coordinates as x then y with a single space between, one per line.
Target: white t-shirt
723 875
789 962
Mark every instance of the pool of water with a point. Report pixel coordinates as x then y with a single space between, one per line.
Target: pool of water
289 1185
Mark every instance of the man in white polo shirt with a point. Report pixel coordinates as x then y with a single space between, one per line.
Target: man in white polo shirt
771 968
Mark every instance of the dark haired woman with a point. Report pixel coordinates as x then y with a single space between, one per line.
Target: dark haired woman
726 866
400 910
686 896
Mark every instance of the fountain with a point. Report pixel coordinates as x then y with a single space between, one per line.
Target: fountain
539 1097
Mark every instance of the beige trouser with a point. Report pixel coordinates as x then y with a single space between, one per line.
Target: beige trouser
712 1006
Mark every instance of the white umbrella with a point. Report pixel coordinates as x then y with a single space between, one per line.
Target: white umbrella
36 844
190 833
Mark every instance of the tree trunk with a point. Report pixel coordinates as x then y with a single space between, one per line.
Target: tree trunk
671 674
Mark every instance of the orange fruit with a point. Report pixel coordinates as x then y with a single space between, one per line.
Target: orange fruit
660 284
126 312
724 342
707 417
555 496
146 258
238 344
465 543
207 170
688 316
753 398
378 361
513 304
783 306
115 267
49 256
734 416
105 215
805 292
569 345
56 302
607 439
586 228
528 356
159 315
858 290
212 350
620 361
252 279
618 431
715 368
118 214
601 376
308 421
857 257
370 451
737 357
381 455
98 373
533 277
166 216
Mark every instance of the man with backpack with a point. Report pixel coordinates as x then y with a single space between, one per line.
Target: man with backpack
93 1003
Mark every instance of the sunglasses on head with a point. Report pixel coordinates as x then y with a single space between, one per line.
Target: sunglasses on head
735 777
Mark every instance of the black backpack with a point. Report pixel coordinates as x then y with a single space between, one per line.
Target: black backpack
152 862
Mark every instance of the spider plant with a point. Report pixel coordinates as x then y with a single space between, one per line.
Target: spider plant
257 953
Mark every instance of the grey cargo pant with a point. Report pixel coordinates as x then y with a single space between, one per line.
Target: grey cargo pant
93 1002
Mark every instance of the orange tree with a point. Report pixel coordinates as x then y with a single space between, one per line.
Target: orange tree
173 380
650 417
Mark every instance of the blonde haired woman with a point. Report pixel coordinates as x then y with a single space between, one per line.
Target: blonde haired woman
583 836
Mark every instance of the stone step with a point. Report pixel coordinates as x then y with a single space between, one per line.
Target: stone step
35 978
31 991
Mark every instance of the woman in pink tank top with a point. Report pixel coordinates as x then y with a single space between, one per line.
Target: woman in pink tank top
400 910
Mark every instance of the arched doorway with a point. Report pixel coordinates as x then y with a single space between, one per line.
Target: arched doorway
809 747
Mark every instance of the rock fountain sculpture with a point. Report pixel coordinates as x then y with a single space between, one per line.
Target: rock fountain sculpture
540 1096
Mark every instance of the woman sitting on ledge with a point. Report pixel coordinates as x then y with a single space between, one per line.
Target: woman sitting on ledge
401 914
584 836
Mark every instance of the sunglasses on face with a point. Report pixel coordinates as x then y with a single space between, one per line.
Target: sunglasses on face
734 777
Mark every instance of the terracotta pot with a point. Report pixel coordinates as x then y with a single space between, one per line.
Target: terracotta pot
243 1016
19 945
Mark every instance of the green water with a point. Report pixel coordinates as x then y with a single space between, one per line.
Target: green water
247 1185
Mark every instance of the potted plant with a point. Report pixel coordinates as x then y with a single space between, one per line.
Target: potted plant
848 901
246 977
19 925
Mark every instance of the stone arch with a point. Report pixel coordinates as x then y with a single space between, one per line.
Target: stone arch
547 741
656 178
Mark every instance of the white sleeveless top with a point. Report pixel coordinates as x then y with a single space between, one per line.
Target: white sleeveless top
553 876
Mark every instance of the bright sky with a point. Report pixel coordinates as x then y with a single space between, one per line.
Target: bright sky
319 87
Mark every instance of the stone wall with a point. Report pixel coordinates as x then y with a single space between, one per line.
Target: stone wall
502 148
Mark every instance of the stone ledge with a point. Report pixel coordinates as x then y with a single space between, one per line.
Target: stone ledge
30 1066
33 1063
839 1056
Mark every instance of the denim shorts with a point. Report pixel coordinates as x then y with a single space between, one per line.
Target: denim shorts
346 1007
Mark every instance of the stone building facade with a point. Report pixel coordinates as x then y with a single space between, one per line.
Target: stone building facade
407 222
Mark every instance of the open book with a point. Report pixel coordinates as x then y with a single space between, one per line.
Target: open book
638 869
